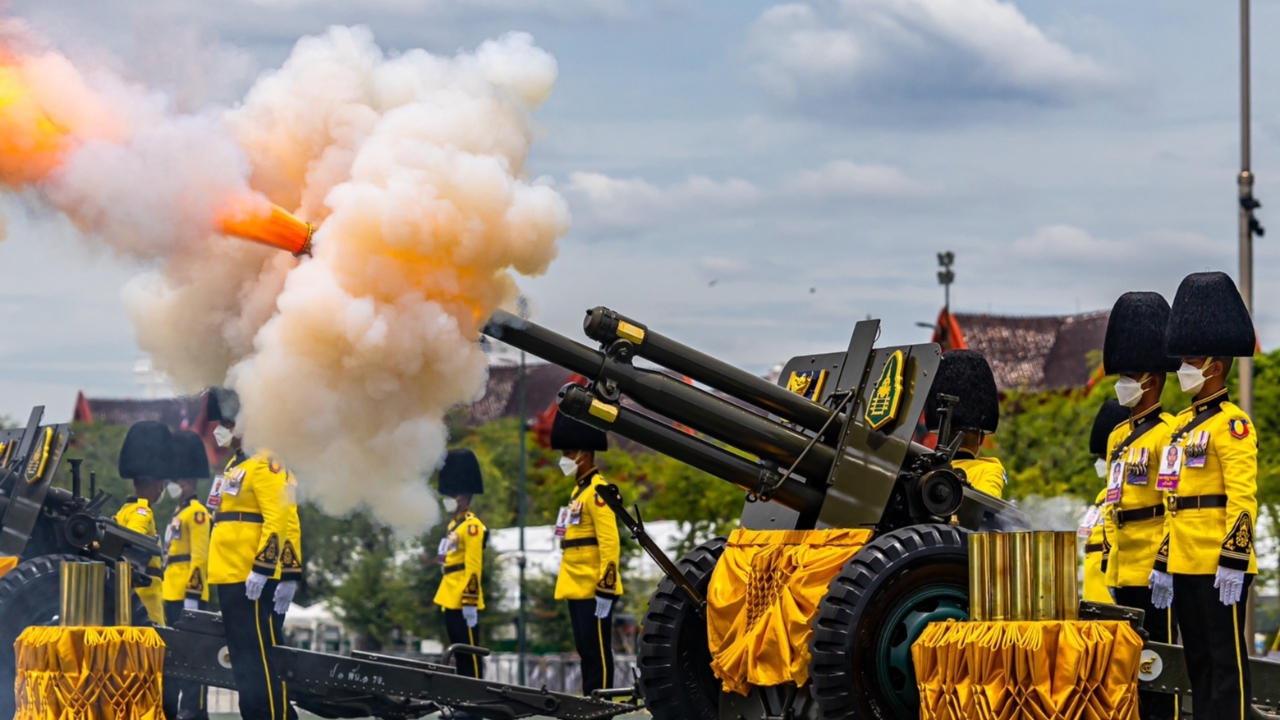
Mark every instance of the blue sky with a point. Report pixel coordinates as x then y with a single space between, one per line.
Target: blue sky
753 177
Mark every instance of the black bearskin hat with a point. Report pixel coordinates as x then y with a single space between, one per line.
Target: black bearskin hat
460 474
966 375
1111 414
147 452
1209 319
190 459
569 434
1135 336
224 405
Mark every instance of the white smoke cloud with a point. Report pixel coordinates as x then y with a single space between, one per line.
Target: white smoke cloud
412 170
1059 514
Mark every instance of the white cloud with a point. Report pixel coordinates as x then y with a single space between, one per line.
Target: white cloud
825 53
634 205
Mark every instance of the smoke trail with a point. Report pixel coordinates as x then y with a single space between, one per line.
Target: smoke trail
412 169
1053 513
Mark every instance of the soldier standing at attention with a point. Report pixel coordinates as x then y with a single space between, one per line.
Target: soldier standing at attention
461 553
965 374
590 576
146 458
1111 414
186 563
1206 562
254 561
1134 349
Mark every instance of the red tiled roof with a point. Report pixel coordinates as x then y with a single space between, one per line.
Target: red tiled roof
1034 353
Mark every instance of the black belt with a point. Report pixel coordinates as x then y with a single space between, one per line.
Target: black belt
1195 502
179 558
578 542
155 572
450 569
1095 547
237 517
1144 513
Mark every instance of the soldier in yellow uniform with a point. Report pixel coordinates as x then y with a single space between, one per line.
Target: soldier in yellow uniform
146 458
461 594
1111 414
965 374
186 563
590 575
1206 562
254 560
1134 349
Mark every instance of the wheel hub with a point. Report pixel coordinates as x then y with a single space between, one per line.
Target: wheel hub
902 628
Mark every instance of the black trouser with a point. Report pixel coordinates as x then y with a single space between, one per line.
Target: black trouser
252 629
1159 625
593 638
456 626
182 698
1214 644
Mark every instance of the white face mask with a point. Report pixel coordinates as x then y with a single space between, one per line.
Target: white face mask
1101 467
1192 378
568 465
174 490
222 436
1129 391
450 504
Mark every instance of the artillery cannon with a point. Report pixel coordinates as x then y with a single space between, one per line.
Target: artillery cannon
830 446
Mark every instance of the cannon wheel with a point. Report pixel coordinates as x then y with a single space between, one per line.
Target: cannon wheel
675 662
30 595
874 610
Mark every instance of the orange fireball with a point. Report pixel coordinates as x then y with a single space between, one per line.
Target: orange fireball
31 144
263 222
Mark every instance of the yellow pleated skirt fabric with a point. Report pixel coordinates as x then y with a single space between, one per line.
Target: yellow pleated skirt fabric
89 673
762 598
1060 670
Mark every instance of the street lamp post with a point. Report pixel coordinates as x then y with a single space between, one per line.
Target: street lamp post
522 647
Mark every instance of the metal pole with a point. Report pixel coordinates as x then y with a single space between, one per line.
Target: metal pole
522 647
1247 205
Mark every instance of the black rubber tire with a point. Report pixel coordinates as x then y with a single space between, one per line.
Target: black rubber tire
30 595
674 660
857 605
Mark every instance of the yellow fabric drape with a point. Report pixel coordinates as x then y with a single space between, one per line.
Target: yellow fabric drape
89 673
1059 670
762 598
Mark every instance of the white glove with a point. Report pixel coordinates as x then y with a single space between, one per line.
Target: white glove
253 585
1230 584
190 604
603 606
284 595
1161 589
471 614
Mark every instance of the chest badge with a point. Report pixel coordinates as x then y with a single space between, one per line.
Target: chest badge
882 407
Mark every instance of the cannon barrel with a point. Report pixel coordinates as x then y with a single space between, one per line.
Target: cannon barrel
578 403
605 326
665 395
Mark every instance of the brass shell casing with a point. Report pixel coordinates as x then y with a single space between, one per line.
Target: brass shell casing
71 582
124 594
1021 567
1067 576
95 593
979 577
998 552
1044 576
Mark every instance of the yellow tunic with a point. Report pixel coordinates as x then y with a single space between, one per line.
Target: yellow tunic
985 474
589 569
1199 540
463 564
187 552
136 515
1133 545
255 521
1095 579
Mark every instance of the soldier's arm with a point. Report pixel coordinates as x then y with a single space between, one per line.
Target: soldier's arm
606 525
291 556
198 526
1238 454
474 569
269 480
